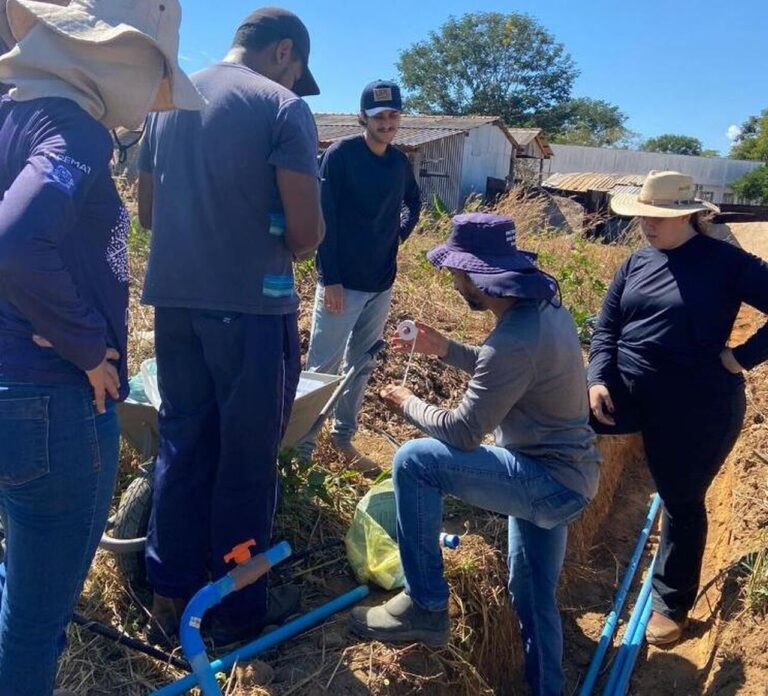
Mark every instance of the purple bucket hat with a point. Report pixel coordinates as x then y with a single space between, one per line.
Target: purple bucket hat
483 246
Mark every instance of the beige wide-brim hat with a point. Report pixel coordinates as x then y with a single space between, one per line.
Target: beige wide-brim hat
99 22
664 194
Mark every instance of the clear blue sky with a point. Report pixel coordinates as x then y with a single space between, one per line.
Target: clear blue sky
686 67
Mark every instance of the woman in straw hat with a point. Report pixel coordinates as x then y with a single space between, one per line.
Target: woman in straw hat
77 70
659 364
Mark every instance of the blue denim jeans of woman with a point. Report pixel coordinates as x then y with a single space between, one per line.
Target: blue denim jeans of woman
539 510
58 463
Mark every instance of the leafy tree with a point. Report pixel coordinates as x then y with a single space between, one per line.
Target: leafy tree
673 144
753 186
585 121
710 153
752 143
507 65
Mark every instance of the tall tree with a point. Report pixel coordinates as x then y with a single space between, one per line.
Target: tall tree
585 121
507 65
672 144
753 186
752 143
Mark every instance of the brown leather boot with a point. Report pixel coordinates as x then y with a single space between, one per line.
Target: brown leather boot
164 622
661 630
355 459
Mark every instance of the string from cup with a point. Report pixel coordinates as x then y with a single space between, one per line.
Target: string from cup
408 331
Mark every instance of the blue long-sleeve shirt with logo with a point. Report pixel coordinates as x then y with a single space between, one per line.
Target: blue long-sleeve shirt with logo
63 245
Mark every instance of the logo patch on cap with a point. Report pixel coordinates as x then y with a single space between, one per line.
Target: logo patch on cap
382 94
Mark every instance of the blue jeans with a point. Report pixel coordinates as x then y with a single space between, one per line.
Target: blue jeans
339 340
539 510
58 463
227 382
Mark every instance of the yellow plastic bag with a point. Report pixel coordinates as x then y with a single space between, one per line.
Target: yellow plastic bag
371 540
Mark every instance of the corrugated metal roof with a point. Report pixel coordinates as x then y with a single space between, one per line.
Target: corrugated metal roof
414 130
525 136
630 190
583 182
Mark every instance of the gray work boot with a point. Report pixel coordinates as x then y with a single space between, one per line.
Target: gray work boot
401 620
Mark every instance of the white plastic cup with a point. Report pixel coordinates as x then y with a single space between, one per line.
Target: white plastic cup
407 330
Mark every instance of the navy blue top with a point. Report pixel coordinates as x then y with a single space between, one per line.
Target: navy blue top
218 229
365 221
63 245
671 312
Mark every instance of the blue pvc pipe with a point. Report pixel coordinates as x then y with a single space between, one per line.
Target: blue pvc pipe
621 596
289 630
206 598
633 649
634 620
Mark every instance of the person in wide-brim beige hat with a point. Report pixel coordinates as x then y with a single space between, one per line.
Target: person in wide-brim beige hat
663 195
101 22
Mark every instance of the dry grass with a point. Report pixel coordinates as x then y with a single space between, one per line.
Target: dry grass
484 656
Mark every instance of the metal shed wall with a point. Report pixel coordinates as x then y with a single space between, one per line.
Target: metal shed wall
713 174
438 169
487 152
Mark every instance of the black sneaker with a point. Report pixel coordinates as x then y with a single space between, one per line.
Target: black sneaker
401 620
283 602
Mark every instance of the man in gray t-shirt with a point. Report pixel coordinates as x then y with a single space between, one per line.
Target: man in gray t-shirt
232 197
528 387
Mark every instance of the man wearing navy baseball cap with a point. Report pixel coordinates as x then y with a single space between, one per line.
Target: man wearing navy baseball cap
381 96
366 181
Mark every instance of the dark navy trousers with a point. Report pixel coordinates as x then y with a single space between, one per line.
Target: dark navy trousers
227 382
689 426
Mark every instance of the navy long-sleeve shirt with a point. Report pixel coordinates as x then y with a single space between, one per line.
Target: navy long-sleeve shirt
670 312
371 204
63 245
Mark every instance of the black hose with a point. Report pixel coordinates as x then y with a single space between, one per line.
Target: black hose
112 634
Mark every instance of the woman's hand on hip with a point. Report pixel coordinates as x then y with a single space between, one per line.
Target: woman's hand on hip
601 404
105 380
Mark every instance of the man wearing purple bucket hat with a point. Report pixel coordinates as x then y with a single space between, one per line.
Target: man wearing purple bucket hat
527 387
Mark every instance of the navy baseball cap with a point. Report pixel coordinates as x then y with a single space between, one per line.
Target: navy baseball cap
277 24
379 96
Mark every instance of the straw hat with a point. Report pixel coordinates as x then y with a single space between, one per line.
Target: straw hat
98 22
664 195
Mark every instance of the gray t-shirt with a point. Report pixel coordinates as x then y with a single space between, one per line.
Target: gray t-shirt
529 386
218 237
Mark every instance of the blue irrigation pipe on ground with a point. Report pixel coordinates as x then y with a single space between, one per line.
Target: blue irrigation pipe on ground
634 620
211 595
633 649
621 596
289 630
